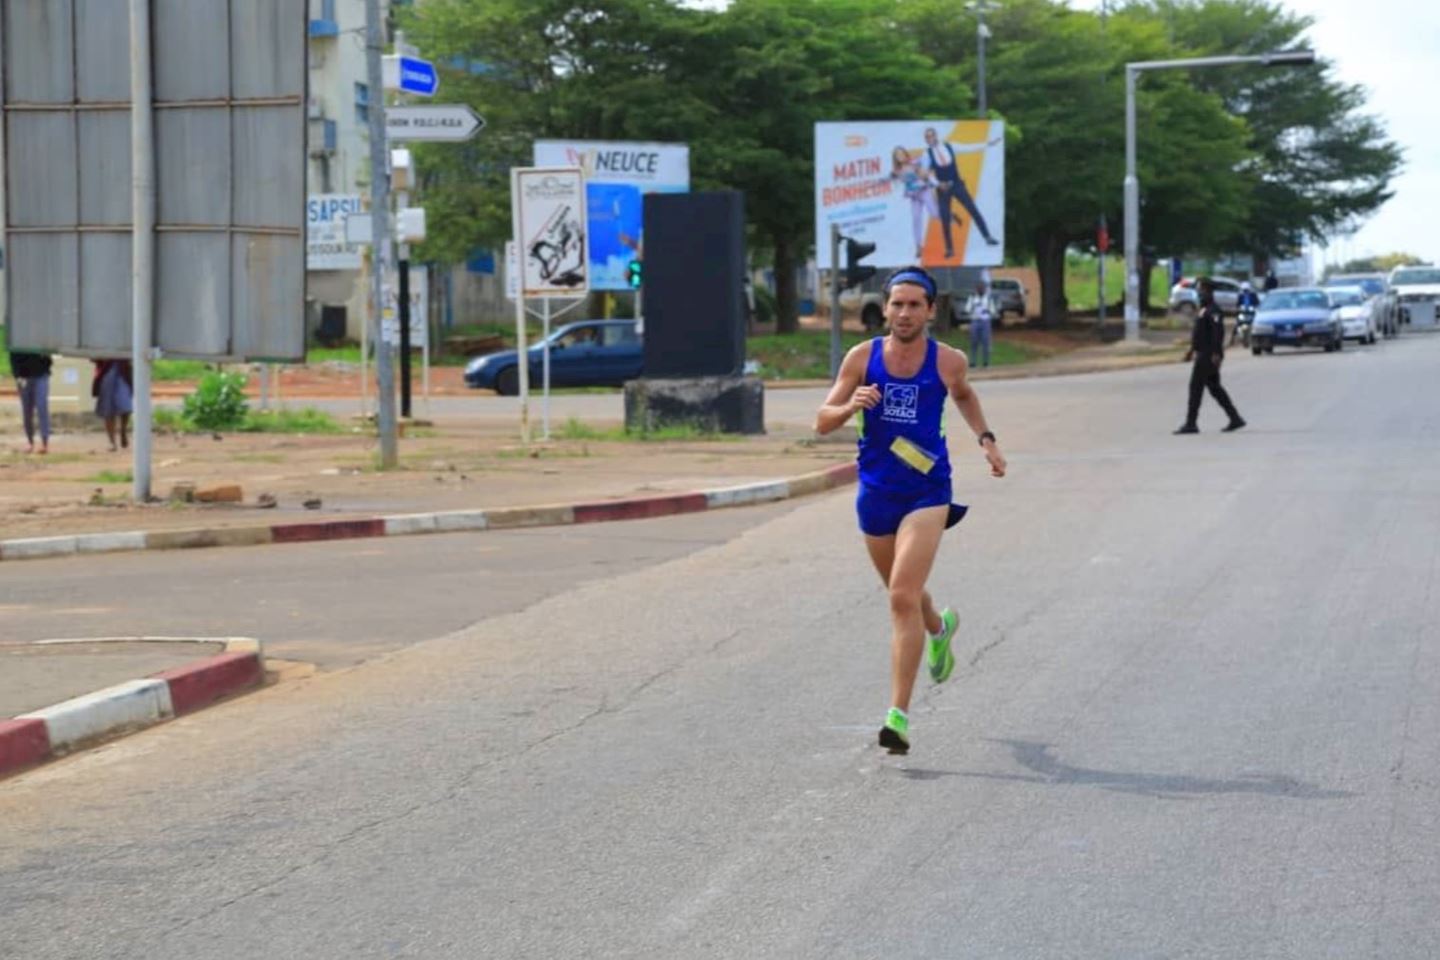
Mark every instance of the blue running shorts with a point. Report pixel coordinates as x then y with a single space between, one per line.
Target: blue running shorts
880 511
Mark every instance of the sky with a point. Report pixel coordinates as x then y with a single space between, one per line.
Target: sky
1392 49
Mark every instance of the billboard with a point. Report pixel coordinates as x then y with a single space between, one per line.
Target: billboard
617 175
548 216
228 138
923 191
326 247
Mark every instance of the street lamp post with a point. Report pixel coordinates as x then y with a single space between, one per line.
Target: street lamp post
982 33
1278 58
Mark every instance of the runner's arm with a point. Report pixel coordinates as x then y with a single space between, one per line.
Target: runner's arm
953 367
848 393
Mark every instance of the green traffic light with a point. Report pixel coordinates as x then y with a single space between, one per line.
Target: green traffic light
632 274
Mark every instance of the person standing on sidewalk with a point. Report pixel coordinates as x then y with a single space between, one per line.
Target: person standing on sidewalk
32 377
898 385
114 399
1207 349
982 308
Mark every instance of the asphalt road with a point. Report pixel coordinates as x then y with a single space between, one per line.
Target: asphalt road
1196 715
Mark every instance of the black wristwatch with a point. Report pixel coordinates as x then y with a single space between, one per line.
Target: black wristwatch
987 435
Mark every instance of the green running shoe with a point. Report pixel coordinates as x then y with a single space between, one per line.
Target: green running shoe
937 648
895 735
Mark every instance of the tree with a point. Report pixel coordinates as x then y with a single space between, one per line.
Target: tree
1056 76
603 69
1319 164
743 87
771 69
1381 264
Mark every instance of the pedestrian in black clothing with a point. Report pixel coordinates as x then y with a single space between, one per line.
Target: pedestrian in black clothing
1207 349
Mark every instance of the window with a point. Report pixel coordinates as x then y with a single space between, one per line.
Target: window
618 334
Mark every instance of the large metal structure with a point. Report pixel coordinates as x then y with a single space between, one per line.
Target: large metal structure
228 153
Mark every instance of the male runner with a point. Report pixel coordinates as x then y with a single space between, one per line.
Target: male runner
898 383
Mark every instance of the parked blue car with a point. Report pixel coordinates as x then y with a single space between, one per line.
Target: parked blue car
1297 317
588 353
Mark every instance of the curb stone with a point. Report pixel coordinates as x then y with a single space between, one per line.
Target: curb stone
54 731
504 518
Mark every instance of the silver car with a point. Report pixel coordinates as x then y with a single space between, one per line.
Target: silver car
1185 299
1356 310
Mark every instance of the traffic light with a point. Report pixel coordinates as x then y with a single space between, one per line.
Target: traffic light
632 274
855 272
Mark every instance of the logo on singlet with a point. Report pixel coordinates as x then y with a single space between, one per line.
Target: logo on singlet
902 402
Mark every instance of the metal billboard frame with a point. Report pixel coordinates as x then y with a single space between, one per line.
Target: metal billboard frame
229 246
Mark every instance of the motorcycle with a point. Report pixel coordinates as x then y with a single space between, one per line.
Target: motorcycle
1244 320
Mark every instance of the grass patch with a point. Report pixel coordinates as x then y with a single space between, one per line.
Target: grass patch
306 420
258 458
1082 282
806 355
575 429
109 476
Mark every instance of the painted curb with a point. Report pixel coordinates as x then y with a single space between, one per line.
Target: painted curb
450 521
53 731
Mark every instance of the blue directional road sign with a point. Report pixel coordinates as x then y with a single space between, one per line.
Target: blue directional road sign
418 76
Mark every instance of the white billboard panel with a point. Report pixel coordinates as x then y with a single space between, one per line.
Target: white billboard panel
548 211
326 246
923 191
617 176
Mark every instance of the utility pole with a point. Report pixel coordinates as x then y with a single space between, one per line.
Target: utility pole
1104 232
142 238
380 243
982 33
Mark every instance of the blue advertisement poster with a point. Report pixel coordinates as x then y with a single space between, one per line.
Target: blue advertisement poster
617 176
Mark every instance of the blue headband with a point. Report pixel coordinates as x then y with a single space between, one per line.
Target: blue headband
915 277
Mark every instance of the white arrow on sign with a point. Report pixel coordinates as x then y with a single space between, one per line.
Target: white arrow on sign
441 121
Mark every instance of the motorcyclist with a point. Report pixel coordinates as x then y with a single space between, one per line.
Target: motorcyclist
1245 306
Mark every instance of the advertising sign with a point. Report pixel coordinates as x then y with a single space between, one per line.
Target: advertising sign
548 209
326 247
419 308
923 191
617 175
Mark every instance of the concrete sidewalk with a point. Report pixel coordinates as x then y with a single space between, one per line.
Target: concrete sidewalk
60 696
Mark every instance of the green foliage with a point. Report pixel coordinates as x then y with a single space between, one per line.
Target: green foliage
171 370
576 429
1229 158
806 355
1317 163
764 305
218 402
1381 264
109 476
306 420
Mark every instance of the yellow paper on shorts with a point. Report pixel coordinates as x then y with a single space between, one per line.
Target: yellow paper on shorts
913 456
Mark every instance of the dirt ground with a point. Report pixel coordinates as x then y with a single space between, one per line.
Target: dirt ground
83 487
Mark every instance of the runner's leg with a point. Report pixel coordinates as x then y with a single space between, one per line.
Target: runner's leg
916 544
882 554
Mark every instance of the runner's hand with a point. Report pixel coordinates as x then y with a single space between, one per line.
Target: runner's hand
866 396
996 458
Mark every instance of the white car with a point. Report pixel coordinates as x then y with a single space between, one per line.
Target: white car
1413 285
1356 310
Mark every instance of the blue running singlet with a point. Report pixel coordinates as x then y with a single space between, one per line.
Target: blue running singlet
904 464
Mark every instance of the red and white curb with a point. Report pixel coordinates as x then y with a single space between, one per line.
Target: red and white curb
505 518
133 705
